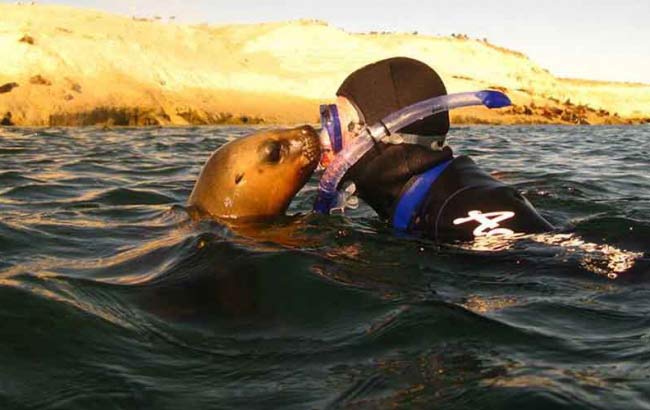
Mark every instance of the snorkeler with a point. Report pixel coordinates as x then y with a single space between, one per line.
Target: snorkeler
411 178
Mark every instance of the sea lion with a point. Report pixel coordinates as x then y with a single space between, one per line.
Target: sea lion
6 120
255 176
5 88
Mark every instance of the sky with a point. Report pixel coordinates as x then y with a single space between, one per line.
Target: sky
597 39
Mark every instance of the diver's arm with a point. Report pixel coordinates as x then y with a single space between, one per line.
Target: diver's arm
381 174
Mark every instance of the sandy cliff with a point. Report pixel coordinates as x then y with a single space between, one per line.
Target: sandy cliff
67 66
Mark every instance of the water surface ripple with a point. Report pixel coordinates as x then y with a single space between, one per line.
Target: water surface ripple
112 298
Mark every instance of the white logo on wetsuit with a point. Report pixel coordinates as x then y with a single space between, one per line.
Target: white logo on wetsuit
488 222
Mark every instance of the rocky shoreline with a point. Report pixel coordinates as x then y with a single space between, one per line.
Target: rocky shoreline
565 113
527 114
554 112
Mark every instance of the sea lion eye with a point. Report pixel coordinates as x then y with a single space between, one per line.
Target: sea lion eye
273 151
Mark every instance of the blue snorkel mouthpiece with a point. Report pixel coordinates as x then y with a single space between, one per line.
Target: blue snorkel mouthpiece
328 195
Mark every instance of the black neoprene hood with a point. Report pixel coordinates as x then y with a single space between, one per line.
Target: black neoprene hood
386 86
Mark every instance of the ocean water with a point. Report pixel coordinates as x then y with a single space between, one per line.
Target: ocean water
111 298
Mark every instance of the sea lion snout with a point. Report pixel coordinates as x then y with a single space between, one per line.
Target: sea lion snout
257 175
309 146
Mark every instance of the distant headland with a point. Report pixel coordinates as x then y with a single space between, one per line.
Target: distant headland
64 66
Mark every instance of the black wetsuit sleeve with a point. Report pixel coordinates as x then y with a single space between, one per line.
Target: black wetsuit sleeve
380 175
466 202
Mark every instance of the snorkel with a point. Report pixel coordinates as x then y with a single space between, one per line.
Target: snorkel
328 195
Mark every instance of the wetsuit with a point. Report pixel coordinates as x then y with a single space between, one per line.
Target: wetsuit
439 196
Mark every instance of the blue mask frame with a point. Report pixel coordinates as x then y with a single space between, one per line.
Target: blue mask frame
329 119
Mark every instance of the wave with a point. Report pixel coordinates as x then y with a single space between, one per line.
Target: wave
108 286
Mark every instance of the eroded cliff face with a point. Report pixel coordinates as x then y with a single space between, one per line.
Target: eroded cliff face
66 66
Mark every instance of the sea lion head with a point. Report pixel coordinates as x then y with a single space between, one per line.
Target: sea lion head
257 175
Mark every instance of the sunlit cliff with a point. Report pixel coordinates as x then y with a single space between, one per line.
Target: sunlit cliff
67 66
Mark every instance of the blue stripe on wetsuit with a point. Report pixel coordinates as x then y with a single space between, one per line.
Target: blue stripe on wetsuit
409 203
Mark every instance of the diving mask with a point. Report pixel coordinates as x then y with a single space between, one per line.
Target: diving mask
331 136
328 194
